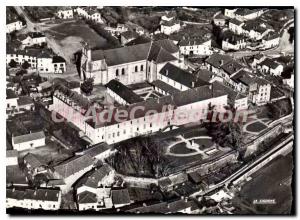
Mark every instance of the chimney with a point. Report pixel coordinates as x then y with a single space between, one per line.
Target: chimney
144 204
13 189
193 84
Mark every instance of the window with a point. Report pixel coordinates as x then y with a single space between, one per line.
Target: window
123 71
117 72
142 68
113 135
150 125
135 69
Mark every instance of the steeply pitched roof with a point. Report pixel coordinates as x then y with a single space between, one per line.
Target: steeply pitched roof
182 76
93 178
236 21
136 53
120 196
28 137
58 59
73 165
86 197
123 91
96 149
25 100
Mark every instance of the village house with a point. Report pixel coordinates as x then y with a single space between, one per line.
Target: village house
65 13
32 38
257 88
220 19
132 64
236 26
11 157
128 36
28 141
164 88
169 25
25 103
243 13
257 58
195 46
90 13
42 60
178 78
271 67
234 42
120 197
121 93
223 66
270 40
34 164
289 81
72 169
40 198
255 29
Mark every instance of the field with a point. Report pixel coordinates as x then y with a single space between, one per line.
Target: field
271 182
69 36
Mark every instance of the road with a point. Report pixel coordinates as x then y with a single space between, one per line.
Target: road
51 42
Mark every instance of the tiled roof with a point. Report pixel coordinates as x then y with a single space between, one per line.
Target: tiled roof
28 137
86 197
40 194
182 76
33 160
123 91
58 59
193 41
270 63
96 149
217 60
222 89
73 165
14 175
236 21
120 196
232 67
93 179
165 87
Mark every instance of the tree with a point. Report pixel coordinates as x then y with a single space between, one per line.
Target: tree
21 72
87 86
12 63
25 65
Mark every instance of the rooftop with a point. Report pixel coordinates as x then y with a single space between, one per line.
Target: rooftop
28 137
182 76
73 165
41 194
120 196
123 91
165 87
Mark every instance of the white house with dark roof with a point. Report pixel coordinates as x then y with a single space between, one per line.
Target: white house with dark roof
178 78
270 40
90 13
65 12
132 64
195 46
28 141
128 36
72 169
11 101
243 13
236 26
34 164
169 25
40 198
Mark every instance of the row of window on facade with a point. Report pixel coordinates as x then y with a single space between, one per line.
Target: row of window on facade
135 70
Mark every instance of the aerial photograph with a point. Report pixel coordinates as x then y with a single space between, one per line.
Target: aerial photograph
136 110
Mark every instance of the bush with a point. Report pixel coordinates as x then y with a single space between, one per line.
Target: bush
13 64
25 65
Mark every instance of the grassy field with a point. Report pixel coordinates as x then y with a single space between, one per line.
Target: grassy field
256 127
